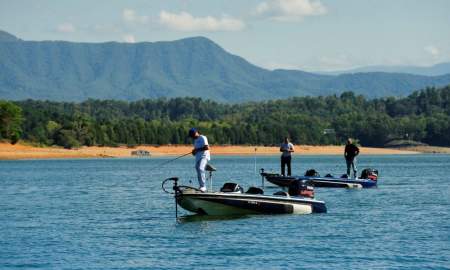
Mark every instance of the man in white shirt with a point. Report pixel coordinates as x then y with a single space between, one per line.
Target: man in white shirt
286 148
202 156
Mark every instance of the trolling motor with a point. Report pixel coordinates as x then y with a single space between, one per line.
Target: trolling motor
261 172
175 187
265 174
176 191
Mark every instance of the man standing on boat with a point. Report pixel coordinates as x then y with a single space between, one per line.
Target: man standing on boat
202 156
286 148
350 153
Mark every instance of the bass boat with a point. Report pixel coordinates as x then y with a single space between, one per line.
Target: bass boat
368 179
232 200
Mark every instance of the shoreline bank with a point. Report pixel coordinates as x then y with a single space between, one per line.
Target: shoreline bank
24 151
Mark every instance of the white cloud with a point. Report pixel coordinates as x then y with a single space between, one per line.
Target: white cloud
184 21
290 10
130 16
66 28
433 50
129 38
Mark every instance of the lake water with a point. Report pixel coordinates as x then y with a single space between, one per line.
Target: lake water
112 214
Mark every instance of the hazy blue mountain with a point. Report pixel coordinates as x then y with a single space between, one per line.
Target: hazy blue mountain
59 70
435 70
5 36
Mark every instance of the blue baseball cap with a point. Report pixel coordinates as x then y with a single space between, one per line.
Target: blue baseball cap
192 131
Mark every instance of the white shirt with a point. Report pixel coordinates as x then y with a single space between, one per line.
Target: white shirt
200 142
285 147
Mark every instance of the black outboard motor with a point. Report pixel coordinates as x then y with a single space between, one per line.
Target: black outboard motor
301 188
232 187
369 173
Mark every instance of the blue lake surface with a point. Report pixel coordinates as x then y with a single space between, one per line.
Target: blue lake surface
112 214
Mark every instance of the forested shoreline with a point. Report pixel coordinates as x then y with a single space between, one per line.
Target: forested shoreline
422 116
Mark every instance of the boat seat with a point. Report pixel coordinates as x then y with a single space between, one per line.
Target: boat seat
281 193
210 168
232 187
254 190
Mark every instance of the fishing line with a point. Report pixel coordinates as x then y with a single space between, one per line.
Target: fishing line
169 161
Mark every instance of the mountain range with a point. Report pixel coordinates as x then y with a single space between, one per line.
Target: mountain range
198 67
434 70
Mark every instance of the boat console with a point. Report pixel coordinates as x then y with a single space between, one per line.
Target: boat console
232 187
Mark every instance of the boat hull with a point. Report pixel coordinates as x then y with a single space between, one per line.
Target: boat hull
221 203
331 182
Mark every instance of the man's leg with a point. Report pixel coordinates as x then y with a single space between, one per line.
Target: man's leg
288 163
355 169
283 165
349 163
201 173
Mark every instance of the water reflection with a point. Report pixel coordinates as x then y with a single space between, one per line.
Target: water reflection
202 218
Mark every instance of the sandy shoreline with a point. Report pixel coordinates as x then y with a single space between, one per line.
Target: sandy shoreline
23 151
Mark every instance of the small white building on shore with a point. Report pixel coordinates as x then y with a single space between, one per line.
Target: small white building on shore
140 153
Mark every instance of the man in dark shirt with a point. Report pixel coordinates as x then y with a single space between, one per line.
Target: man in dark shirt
350 153
287 148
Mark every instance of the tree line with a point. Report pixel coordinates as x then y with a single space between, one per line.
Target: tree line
422 116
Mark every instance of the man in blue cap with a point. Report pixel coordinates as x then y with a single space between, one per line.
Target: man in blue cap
202 156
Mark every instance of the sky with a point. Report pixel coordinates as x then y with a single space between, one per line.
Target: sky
310 35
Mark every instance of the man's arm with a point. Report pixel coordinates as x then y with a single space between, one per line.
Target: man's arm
204 148
291 148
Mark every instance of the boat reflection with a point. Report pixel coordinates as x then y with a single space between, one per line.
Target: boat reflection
201 218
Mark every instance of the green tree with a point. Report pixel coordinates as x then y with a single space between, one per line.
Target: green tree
67 139
10 121
422 116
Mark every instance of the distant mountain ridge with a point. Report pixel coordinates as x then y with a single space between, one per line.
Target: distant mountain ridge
434 70
198 67
5 36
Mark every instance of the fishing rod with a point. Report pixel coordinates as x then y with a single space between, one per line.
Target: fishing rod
170 160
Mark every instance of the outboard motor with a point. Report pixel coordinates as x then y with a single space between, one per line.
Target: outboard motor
301 188
369 173
232 187
312 172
